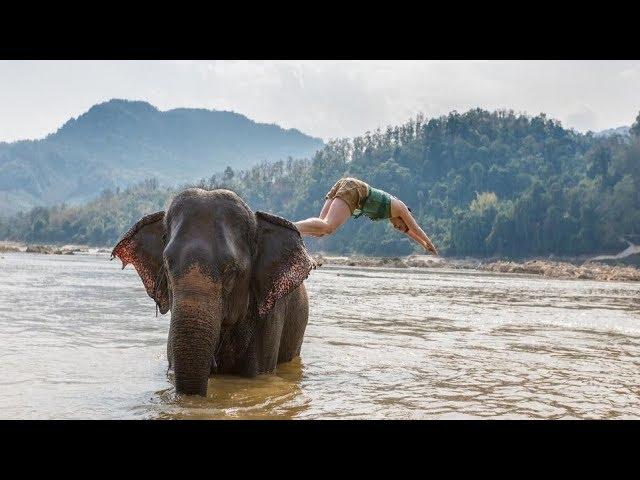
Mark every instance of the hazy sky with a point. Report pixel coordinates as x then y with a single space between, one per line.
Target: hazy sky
327 99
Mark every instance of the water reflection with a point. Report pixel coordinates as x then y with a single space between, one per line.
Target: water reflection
233 397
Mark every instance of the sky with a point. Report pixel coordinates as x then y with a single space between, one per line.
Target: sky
326 99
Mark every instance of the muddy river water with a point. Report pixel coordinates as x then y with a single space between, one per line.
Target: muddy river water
80 339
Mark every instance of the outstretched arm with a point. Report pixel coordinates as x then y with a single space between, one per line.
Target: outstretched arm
400 210
428 245
424 244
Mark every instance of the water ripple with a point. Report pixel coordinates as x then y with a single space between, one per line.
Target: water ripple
81 340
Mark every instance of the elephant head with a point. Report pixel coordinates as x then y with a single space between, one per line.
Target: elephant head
221 270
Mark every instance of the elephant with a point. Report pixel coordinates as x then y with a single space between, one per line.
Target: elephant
232 278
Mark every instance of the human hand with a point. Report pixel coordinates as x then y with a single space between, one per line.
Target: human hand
430 247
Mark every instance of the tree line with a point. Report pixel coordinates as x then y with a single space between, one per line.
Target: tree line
480 183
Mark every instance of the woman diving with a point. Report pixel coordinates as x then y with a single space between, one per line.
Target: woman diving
353 197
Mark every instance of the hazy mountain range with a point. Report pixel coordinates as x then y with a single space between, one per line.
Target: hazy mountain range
120 142
623 131
481 183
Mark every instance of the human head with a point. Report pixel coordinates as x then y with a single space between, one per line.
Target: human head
399 224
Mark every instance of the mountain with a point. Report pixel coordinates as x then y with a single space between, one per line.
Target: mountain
479 183
121 142
623 131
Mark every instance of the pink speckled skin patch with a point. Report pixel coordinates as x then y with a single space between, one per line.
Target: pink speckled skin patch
284 262
288 277
142 247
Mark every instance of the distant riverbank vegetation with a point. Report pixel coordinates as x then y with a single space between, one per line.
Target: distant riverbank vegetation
481 184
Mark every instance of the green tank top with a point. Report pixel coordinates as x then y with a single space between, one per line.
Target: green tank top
377 205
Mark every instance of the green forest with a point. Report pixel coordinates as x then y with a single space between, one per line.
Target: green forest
480 183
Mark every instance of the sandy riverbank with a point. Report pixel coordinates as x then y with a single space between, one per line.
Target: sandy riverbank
548 268
589 269
68 249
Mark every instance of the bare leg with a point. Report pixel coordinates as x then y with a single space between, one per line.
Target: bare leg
323 214
325 208
338 213
399 209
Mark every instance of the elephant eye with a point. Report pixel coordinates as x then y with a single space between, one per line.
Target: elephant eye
228 269
228 276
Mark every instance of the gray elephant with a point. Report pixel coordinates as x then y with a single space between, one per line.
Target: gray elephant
232 279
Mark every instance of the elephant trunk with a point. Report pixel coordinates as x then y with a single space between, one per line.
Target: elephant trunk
195 332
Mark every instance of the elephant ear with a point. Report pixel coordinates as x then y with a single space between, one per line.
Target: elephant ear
282 262
142 246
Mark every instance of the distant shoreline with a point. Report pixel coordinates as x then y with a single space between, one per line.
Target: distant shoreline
574 268
47 249
588 270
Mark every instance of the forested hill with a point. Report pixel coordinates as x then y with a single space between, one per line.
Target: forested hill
481 183
121 142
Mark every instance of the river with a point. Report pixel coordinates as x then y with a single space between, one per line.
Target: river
80 339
